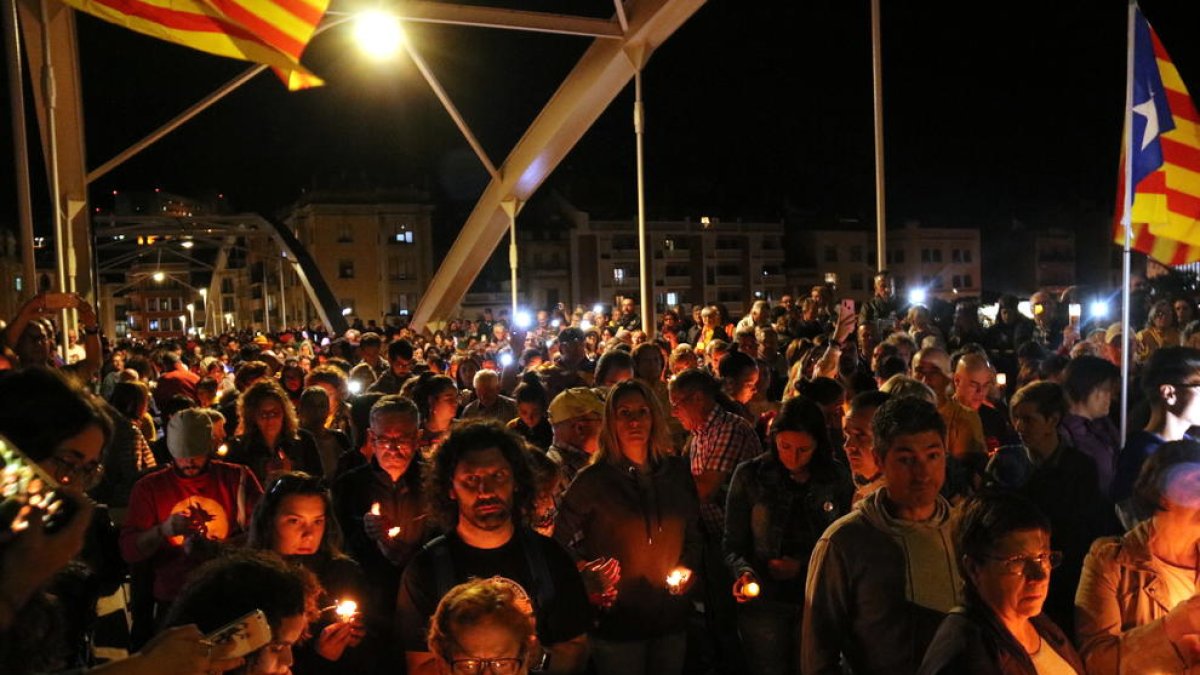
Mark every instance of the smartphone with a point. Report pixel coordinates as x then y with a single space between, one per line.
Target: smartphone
848 306
57 301
1075 310
241 637
23 482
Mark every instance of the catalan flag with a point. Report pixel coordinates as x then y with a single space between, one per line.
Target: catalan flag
271 32
1166 156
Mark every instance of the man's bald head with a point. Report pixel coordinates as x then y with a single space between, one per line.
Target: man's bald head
973 380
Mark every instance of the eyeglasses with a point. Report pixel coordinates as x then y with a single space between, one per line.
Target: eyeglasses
1018 564
70 472
505 666
393 445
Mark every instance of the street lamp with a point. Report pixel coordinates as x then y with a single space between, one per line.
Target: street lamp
183 322
379 34
159 276
191 308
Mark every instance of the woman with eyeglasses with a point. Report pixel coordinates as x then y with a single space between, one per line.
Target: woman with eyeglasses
483 627
632 519
295 520
1003 542
269 439
1137 610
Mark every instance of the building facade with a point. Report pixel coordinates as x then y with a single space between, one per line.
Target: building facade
374 248
690 262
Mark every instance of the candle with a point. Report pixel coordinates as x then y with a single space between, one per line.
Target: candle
677 578
751 590
223 450
394 532
1001 379
346 609
375 509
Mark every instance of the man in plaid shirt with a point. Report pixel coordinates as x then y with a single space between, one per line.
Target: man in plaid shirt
720 441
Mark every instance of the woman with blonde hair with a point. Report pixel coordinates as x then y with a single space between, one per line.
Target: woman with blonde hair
633 513
269 439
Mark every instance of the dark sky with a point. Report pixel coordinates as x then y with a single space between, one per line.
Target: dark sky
995 111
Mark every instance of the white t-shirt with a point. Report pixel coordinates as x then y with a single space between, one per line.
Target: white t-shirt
1046 661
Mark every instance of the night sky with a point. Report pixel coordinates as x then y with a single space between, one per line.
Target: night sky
995 112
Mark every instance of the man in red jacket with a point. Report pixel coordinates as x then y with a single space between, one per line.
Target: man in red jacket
175 379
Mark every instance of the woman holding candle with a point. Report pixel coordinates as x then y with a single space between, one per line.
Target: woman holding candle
632 518
294 519
269 439
778 505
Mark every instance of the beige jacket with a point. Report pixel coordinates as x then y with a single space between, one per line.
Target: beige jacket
1120 608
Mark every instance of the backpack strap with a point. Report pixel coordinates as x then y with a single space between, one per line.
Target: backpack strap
539 570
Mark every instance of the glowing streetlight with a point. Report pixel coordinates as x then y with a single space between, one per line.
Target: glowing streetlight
159 276
347 311
191 308
379 34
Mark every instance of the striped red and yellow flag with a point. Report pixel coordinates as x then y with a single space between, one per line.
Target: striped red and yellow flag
271 32
1166 157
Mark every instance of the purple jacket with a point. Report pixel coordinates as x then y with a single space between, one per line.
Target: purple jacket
1098 439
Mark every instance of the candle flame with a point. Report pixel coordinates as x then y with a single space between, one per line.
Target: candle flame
223 450
752 590
394 532
375 509
346 609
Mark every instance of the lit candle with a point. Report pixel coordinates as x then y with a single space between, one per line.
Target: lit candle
1001 379
394 532
346 609
375 509
751 590
223 450
677 578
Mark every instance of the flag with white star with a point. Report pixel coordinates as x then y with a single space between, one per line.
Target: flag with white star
1166 156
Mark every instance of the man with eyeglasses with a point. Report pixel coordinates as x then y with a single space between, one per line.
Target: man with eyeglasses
178 513
380 505
883 577
1170 383
481 489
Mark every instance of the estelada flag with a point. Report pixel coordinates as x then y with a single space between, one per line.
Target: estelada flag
271 32
1166 156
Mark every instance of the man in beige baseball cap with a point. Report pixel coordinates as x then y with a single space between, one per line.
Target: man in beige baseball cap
576 415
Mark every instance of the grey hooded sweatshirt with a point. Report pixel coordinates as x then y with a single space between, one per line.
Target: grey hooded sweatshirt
877 589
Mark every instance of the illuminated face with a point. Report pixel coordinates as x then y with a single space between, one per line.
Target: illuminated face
794 449
971 388
627 306
530 413
483 488
1183 312
486 640
76 461
444 405
1011 595
269 417
885 287
1035 429
299 524
633 422
393 438
745 386
915 468
930 373
688 408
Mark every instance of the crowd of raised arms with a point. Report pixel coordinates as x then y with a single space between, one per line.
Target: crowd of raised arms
816 487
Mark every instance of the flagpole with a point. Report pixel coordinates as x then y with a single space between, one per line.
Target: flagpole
877 86
1127 221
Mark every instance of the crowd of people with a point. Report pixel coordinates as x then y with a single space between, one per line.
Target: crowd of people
816 487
